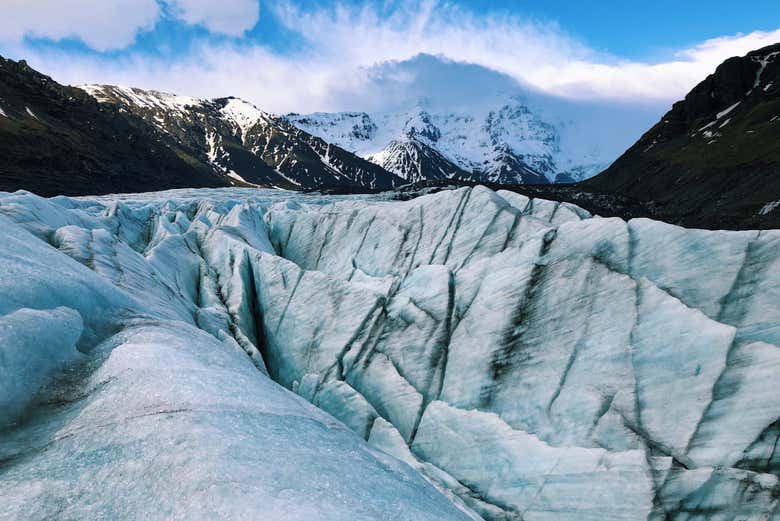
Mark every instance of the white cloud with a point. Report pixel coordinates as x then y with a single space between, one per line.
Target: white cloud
273 83
229 17
627 80
344 48
106 25
100 24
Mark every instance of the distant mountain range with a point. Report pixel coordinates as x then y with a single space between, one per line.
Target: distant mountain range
101 139
712 161
247 145
58 140
506 143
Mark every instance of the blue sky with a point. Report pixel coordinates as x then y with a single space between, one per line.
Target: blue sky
649 29
323 55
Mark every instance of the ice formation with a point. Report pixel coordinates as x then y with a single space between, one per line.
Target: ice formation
528 360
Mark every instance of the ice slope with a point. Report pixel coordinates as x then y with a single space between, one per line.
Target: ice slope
530 360
116 403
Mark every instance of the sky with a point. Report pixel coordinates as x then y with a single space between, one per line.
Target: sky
324 55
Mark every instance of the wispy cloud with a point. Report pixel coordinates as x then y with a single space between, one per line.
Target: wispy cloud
344 46
540 55
627 80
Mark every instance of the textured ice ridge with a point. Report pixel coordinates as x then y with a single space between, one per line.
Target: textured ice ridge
530 360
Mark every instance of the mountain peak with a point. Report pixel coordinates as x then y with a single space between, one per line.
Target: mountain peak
503 142
419 124
243 114
246 144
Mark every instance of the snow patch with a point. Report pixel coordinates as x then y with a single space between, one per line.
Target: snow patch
769 207
763 61
708 125
148 99
234 175
726 111
211 142
244 115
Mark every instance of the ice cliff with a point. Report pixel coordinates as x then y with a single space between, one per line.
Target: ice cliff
527 359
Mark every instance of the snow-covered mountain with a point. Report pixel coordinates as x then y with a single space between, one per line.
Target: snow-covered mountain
503 142
527 359
244 143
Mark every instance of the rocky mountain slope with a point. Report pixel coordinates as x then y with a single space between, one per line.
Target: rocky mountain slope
714 158
59 140
502 142
531 361
242 142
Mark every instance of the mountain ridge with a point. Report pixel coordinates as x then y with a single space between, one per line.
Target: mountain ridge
91 140
57 140
239 140
502 142
716 153
711 162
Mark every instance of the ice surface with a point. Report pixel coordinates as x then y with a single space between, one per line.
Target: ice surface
35 344
176 424
524 359
116 408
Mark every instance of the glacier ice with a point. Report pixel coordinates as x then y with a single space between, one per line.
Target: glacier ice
115 404
525 358
176 424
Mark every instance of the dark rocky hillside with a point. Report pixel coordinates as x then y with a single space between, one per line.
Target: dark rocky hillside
714 159
59 140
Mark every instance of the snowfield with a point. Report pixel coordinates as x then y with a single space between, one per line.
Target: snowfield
468 354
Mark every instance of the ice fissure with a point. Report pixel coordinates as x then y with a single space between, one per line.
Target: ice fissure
529 360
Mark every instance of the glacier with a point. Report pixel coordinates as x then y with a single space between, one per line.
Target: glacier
465 354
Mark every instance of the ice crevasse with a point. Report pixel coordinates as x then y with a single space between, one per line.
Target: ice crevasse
223 354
